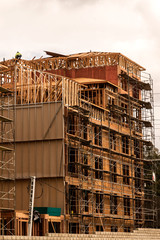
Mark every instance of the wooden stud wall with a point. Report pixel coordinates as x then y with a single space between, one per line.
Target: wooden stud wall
35 84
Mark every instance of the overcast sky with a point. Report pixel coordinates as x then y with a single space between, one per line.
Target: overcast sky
131 27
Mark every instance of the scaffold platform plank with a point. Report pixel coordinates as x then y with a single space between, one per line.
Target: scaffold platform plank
2 148
5 119
5 90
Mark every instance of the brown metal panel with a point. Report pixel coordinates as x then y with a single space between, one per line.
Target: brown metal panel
41 159
31 159
18 133
56 129
49 193
37 122
46 117
37 150
38 125
25 156
24 124
32 123
38 161
56 159
21 160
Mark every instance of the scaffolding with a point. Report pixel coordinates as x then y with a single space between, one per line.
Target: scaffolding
7 156
108 129
117 195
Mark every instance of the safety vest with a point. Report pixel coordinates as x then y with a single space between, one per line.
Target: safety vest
18 54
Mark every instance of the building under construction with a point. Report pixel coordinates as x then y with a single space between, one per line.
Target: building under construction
83 126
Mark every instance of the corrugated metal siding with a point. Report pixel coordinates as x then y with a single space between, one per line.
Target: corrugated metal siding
39 152
49 193
33 122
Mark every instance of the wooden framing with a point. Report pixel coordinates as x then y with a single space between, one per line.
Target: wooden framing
39 228
85 60
102 151
33 86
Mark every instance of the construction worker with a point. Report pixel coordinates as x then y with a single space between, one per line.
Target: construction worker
18 55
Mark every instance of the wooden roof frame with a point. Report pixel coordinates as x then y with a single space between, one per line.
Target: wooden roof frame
64 60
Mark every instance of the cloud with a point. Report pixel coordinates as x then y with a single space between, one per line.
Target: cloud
70 26
80 25
77 3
